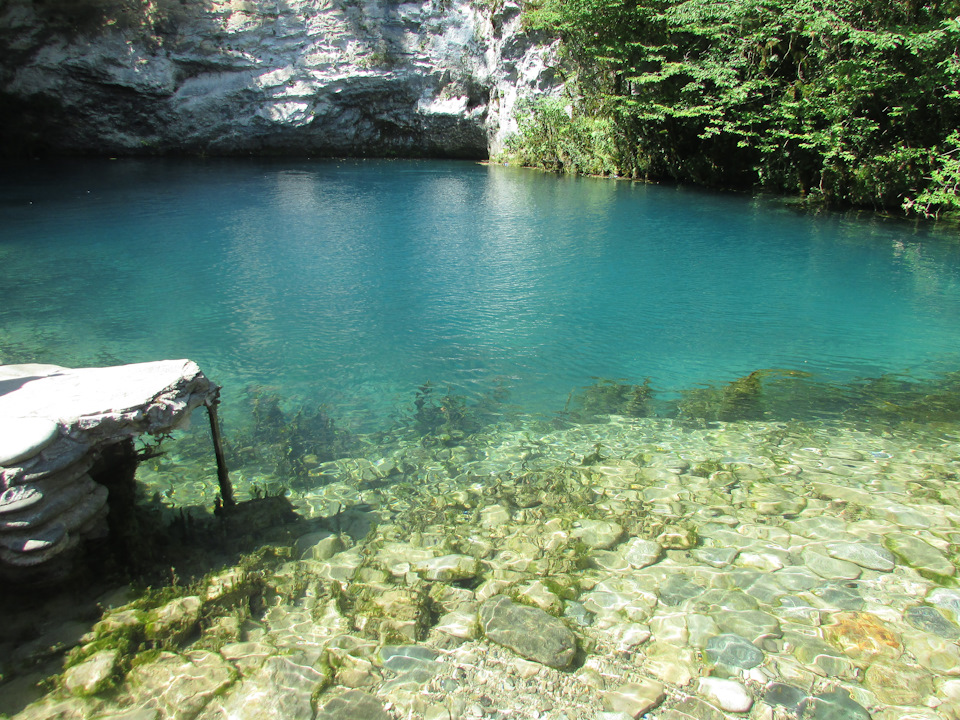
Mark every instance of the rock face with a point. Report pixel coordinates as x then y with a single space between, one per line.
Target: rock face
323 77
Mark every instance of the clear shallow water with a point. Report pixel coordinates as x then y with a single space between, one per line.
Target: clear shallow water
353 283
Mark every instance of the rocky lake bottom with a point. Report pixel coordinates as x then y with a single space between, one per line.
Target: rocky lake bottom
621 569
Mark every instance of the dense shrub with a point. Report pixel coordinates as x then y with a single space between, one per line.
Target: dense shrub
852 102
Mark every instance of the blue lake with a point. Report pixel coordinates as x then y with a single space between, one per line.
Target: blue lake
352 283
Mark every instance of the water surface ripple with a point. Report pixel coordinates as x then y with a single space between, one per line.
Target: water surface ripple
354 282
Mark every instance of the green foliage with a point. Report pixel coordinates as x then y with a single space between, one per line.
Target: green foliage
942 194
846 101
552 136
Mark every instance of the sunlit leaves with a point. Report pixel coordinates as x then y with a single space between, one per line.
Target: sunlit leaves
851 100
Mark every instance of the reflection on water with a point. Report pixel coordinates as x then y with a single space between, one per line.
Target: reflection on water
702 448
354 283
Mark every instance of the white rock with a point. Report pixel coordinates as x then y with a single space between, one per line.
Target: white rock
23 437
728 694
640 553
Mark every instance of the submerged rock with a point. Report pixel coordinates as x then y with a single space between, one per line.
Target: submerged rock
353 705
931 620
832 705
173 622
448 568
923 557
863 636
867 555
635 698
898 683
180 686
282 689
729 695
733 651
93 674
528 631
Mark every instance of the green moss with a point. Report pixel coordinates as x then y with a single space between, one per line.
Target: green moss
145 657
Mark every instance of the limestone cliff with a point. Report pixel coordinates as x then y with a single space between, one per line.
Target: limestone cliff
322 77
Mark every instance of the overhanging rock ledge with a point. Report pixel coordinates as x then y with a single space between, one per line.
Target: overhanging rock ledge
55 424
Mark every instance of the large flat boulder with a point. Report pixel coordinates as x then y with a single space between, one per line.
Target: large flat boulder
54 423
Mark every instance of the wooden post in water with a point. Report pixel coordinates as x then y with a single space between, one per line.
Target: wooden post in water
223 477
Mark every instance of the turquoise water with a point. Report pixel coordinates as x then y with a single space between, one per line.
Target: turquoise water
353 283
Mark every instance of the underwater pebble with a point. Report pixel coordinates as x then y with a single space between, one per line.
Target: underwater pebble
670 663
494 516
921 556
608 560
820 656
898 683
459 624
867 555
597 534
634 699
760 560
538 594
247 656
641 553
693 708
181 685
945 599
785 696
677 539
700 629
669 628
729 695
732 651
832 705
281 689
677 589
931 620
935 653
528 631
175 620
750 624
353 705
830 568
448 568
862 636
716 557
